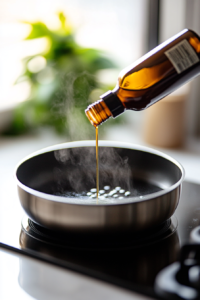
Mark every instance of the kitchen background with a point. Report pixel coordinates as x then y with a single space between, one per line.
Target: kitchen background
122 31
57 57
42 103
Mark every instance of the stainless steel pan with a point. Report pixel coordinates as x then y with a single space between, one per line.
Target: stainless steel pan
153 178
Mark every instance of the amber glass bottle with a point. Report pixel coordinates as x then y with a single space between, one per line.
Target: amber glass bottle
152 77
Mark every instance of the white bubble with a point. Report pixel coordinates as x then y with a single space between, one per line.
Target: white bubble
93 196
106 187
127 193
93 190
101 192
121 191
112 192
118 188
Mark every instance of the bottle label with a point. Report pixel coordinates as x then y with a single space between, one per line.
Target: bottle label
182 56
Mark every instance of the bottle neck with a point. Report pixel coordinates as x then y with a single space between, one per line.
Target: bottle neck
108 106
98 113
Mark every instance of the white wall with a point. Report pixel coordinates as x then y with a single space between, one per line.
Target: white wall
172 18
175 16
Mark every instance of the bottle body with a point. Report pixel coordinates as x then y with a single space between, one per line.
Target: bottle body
154 76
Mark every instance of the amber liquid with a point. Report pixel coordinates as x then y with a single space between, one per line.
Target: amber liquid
150 79
154 77
97 164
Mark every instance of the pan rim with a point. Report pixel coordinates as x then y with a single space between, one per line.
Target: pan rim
102 143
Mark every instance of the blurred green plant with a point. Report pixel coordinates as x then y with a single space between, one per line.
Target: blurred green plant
62 79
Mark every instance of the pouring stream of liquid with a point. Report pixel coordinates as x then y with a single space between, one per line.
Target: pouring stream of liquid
97 164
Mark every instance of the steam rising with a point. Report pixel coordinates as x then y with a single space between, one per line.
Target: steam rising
114 167
80 168
71 102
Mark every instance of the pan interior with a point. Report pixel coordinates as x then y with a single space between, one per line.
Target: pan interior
71 173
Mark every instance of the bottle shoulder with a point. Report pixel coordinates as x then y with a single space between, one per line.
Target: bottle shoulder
169 58
152 77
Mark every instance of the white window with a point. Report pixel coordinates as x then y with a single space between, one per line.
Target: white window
118 27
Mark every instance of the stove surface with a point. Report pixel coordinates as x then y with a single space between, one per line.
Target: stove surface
132 265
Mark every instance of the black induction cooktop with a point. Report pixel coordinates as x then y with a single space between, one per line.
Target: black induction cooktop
132 262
